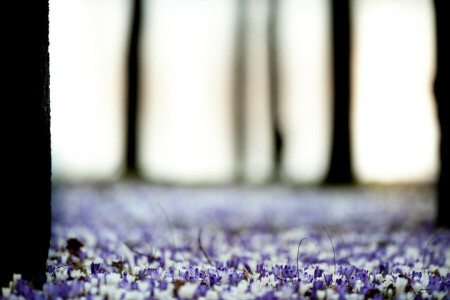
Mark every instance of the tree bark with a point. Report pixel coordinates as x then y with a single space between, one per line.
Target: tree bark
26 195
442 93
340 171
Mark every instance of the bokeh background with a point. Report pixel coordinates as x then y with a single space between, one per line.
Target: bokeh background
190 129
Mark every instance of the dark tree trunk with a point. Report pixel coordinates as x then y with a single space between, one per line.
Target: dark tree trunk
133 87
26 195
272 39
240 83
340 171
442 93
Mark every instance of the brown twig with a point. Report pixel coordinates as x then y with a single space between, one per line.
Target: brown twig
169 224
199 240
424 251
334 252
298 251
140 253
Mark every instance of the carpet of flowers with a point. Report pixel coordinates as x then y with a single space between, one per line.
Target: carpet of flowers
132 241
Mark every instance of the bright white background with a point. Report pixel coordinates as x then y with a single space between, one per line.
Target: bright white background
395 129
186 118
88 42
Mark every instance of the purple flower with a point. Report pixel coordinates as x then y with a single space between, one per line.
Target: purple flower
259 268
346 271
437 284
233 263
201 291
417 274
352 281
268 296
214 279
233 279
297 286
378 296
317 272
69 269
24 290
276 270
317 285
328 279
363 275
342 291
162 262
63 289
95 268
383 268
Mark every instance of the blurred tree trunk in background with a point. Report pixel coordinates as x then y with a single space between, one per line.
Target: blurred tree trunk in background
340 171
240 85
133 87
272 39
441 89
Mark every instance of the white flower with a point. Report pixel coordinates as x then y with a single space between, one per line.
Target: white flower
61 274
255 276
412 253
94 281
285 292
252 264
390 293
16 277
355 296
439 295
321 294
135 270
143 285
94 291
187 290
271 279
264 280
64 257
180 256
14 297
401 284
108 291
401 296
242 287
134 295
358 285
6 292
388 280
76 274
331 294
224 277
142 261
112 278
425 279
304 287
165 294
169 263
258 288
212 295
118 294
87 286
399 260
443 271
